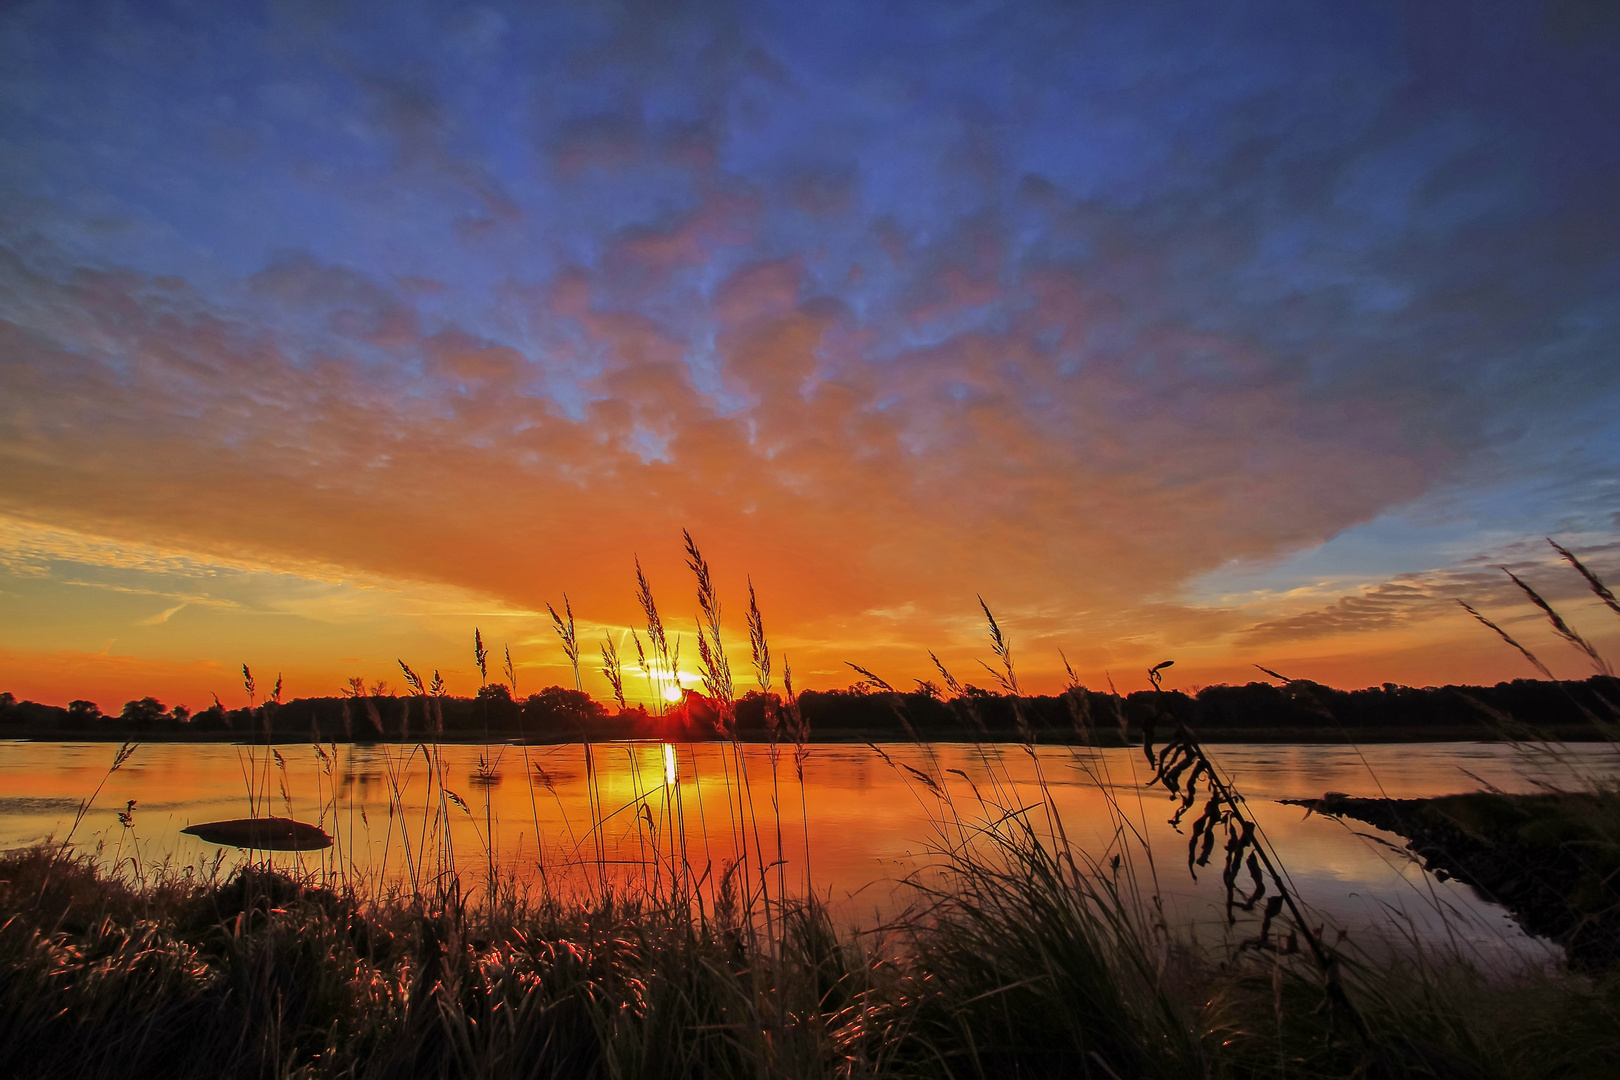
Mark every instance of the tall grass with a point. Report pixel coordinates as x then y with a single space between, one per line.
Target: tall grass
1021 954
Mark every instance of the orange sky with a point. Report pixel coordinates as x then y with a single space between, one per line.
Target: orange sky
178 625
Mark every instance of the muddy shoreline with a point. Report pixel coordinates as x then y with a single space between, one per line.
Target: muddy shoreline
1551 859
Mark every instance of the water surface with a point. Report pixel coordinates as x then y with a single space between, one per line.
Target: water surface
860 824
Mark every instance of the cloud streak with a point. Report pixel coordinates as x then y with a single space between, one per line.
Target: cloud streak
164 616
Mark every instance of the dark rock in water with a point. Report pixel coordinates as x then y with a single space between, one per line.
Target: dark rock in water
1552 859
262 834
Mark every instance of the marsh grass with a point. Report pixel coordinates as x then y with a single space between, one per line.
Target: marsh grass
1021 954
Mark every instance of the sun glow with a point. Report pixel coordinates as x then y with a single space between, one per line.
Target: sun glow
671 766
672 692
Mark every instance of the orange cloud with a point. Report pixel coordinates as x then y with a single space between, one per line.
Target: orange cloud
871 496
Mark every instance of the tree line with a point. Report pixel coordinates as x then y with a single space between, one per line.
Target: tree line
1299 709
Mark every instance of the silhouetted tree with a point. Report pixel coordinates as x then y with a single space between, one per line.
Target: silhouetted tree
555 706
142 714
213 718
495 693
81 715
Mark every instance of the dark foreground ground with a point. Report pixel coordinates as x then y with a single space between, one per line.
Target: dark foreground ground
1020 963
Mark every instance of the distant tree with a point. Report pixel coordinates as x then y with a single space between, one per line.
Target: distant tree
492 708
78 716
556 704
181 714
213 718
495 693
142 714
9 713
756 712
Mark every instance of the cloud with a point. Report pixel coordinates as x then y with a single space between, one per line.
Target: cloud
1411 599
1164 453
31 548
163 616
610 142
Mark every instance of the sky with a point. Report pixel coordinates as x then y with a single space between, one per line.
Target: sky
1236 334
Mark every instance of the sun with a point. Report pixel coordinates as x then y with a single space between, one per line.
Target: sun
672 693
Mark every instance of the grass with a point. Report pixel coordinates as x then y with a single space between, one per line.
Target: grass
1022 956
1017 963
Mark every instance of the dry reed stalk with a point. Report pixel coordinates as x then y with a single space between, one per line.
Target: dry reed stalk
125 752
486 773
799 732
250 773
570 643
1246 849
960 696
1008 679
895 698
528 775
435 816
963 703
717 679
653 690
1562 628
1503 634
760 654
1074 697
1003 650
1595 583
658 639
613 670
656 636
716 667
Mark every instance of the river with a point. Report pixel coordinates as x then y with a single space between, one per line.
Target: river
861 823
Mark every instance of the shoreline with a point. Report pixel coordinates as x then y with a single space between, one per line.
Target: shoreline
1289 736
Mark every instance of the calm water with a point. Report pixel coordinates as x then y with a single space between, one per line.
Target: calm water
870 822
